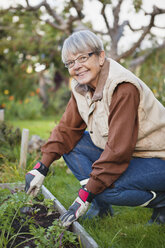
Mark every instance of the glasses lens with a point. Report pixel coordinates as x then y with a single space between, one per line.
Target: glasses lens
69 64
83 58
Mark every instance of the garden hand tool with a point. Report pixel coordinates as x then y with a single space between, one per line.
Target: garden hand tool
34 179
78 208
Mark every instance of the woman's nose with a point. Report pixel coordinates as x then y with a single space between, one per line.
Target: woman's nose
77 64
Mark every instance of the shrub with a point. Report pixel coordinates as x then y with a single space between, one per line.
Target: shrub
58 101
30 108
152 72
9 139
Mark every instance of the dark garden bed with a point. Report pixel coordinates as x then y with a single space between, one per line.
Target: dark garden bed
31 223
76 235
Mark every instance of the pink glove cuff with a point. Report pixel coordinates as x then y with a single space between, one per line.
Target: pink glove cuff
85 195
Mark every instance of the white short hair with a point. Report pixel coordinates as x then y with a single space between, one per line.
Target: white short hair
81 42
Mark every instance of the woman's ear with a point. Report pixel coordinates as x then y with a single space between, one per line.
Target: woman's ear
101 58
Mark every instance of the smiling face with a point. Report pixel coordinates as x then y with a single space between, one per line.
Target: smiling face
83 55
88 71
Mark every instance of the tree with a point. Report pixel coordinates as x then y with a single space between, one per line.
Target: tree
33 34
26 45
72 17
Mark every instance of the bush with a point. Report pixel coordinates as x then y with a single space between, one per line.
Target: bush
58 101
9 151
9 139
152 73
30 108
10 144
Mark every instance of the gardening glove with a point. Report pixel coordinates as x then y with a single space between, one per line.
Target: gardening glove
34 179
78 208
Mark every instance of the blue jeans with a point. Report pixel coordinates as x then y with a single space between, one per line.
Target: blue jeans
143 183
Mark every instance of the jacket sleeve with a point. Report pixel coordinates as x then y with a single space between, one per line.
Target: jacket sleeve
122 138
65 135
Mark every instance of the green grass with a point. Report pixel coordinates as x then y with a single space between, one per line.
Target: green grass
37 127
127 229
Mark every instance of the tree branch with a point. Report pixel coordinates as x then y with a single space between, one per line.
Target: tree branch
146 30
135 45
135 29
156 11
105 19
27 2
61 25
52 13
59 22
116 12
155 26
138 61
29 7
73 19
78 7
56 26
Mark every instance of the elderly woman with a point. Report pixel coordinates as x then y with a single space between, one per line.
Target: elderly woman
119 160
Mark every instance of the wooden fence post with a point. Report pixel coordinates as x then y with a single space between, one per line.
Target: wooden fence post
24 148
2 114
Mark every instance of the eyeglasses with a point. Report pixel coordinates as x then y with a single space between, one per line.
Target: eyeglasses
81 59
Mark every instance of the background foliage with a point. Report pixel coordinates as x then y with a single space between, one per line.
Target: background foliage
33 80
153 73
28 47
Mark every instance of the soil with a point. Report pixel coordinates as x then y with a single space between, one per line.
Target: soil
41 218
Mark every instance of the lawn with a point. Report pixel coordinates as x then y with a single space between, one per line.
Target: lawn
127 229
37 127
